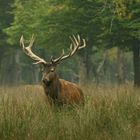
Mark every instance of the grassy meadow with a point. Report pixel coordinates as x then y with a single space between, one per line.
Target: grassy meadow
110 113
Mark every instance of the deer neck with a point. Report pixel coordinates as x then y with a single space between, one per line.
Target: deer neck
53 90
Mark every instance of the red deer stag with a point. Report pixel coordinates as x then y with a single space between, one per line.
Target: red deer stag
57 90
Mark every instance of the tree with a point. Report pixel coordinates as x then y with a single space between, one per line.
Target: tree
54 25
122 29
104 24
6 18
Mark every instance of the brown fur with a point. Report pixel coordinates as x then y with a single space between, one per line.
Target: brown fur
64 92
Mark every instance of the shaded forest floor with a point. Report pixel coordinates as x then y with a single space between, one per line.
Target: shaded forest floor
110 113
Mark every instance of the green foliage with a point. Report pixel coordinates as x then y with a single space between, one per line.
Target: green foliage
53 21
122 23
104 24
6 19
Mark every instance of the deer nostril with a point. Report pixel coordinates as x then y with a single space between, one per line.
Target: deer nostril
46 81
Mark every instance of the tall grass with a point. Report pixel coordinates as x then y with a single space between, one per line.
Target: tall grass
110 113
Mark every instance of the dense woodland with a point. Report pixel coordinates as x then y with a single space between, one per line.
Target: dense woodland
111 29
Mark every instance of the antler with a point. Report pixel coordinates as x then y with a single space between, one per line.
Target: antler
27 50
76 45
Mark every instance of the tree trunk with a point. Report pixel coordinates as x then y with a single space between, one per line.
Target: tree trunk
85 62
84 67
18 70
7 69
120 66
136 62
83 78
36 75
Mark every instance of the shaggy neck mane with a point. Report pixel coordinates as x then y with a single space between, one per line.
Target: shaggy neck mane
52 90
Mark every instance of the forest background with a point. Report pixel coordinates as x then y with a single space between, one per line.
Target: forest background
111 29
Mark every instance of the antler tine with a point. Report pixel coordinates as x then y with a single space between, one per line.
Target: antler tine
59 58
71 47
22 42
32 41
84 44
79 39
27 50
74 46
76 43
74 40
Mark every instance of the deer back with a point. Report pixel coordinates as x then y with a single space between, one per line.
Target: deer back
70 93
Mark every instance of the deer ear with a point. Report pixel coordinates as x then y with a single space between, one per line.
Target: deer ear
42 67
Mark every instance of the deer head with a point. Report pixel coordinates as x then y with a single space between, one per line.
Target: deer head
48 72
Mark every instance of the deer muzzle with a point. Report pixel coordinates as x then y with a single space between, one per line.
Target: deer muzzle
46 82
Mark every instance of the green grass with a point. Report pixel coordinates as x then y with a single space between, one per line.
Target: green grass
110 113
